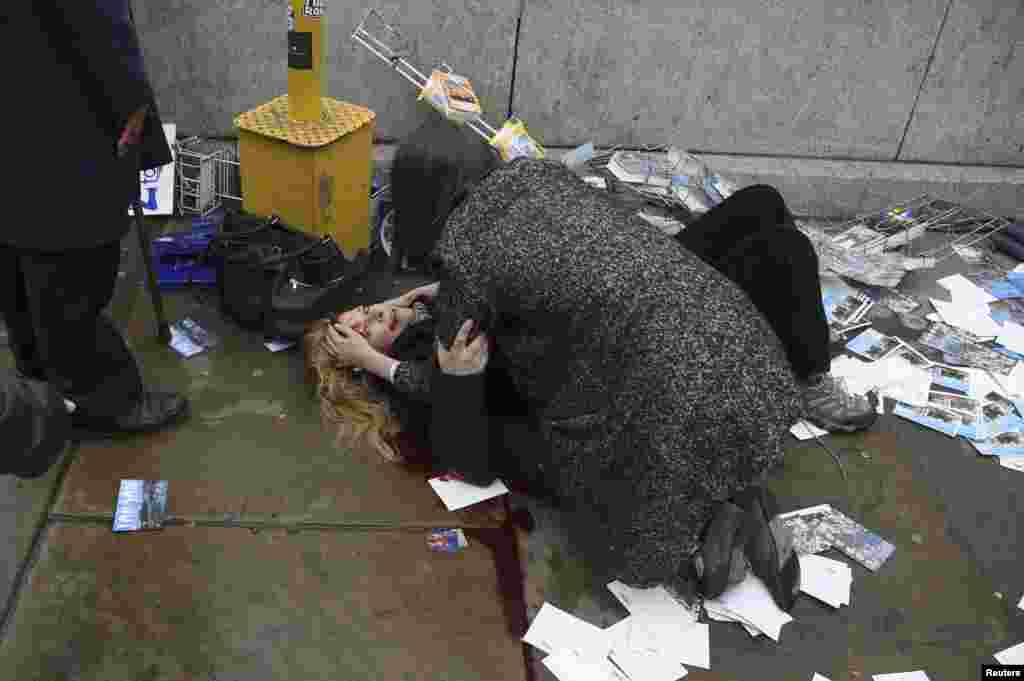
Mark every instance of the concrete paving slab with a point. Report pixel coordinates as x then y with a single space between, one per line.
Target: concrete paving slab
205 75
254 448
228 604
931 606
734 77
23 509
970 106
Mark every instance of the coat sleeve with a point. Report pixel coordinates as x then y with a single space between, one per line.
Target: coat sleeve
413 379
455 303
102 38
459 429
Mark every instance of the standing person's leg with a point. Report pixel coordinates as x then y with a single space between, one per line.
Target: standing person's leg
15 314
73 341
65 295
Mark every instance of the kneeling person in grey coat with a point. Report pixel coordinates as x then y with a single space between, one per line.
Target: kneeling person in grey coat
662 394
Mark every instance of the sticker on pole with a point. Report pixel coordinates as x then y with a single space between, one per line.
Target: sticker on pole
313 8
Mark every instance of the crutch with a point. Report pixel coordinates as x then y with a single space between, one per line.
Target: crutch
163 330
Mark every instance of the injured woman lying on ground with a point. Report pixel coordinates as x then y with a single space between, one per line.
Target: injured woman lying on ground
372 366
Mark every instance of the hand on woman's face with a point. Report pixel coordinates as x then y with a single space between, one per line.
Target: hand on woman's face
380 324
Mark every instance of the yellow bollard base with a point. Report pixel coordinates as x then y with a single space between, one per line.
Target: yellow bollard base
315 175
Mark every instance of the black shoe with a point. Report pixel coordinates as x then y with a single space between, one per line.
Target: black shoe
42 411
781 577
727 530
153 412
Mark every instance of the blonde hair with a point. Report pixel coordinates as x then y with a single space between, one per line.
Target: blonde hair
346 401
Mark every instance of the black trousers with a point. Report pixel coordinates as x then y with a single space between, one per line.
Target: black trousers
752 239
52 303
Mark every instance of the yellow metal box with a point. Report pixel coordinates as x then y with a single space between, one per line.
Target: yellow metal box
315 175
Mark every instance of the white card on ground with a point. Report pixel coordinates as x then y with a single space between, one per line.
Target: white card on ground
902 676
857 374
1021 604
805 430
457 494
1012 655
966 292
1014 463
570 665
819 677
892 369
1012 337
969 318
720 614
278 344
1015 381
826 579
913 389
553 630
657 665
656 601
751 600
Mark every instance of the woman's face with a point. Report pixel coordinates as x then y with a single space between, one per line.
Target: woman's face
379 324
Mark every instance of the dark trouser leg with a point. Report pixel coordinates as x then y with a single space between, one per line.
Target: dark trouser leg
779 272
752 239
14 311
749 211
57 325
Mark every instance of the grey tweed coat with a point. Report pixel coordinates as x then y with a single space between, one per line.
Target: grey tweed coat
660 389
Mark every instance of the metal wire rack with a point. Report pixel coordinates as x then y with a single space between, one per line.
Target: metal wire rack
948 226
393 49
208 171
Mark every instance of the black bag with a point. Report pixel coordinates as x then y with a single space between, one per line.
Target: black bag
277 280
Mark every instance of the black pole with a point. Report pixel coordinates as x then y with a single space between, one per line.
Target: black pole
163 331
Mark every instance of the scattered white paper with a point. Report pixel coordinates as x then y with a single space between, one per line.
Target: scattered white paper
659 625
825 579
554 630
805 430
969 318
819 677
653 601
720 614
965 292
570 665
913 389
902 676
751 600
693 647
858 375
1012 655
1021 604
278 344
1014 463
457 494
1012 337
642 664
1014 383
